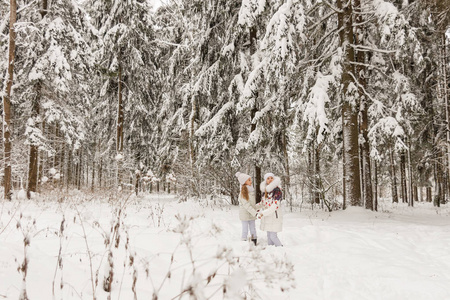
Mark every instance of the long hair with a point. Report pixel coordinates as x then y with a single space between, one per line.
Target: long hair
244 192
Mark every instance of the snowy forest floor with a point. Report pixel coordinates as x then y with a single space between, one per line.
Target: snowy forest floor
171 249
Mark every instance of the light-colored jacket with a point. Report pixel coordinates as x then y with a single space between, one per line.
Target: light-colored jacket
248 209
272 213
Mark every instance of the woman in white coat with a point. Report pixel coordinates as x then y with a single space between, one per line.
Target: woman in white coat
248 208
271 215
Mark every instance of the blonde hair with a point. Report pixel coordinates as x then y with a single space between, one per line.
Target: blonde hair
244 192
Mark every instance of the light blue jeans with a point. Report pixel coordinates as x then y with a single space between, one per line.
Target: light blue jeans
272 239
246 226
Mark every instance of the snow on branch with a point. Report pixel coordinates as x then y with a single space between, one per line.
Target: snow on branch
286 24
249 11
315 113
211 125
253 84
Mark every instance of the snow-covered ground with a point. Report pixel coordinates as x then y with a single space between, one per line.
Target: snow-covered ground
193 249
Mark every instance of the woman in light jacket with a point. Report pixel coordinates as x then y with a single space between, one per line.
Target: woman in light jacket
271 215
248 208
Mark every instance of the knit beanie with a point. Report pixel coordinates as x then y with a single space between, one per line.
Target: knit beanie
267 175
242 177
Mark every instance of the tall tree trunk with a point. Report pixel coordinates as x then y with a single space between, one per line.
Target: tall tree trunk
317 179
287 177
429 194
393 178
33 158
35 110
100 173
375 182
350 132
80 169
93 176
447 107
136 186
367 184
69 168
7 102
310 173
120 120
410 182
253 47
361 74
403 176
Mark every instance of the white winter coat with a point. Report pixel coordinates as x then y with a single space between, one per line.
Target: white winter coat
272 213
248 209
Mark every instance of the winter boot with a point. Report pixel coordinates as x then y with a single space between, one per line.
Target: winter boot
254 241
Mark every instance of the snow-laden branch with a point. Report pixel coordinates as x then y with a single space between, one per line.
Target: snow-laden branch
365 48
215 120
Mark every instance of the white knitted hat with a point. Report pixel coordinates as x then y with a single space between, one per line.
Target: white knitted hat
242 177
267 175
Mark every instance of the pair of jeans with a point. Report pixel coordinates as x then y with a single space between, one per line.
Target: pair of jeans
246 226
272 239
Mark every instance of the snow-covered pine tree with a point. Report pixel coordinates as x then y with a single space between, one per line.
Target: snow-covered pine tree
125 62
54 60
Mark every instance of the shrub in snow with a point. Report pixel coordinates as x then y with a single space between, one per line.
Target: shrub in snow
236 276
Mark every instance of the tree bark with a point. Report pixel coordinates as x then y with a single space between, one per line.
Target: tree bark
7 102
393 178
33 158
410 182
100 173
317 181
93 176
350 132
364 107
403 177
120 120
375 190
287 177
447 107
429 194
310 174
253 40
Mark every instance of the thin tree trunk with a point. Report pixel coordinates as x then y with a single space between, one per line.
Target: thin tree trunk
350 132
33 158
420 194
93 176
393 178
447 107
80 170
120 120
368 193
416 196
429 194
410 183
69 169
7 102
62 165
136 186
287 177
310 173
317 181
403 176
375 190
253 32
100 173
